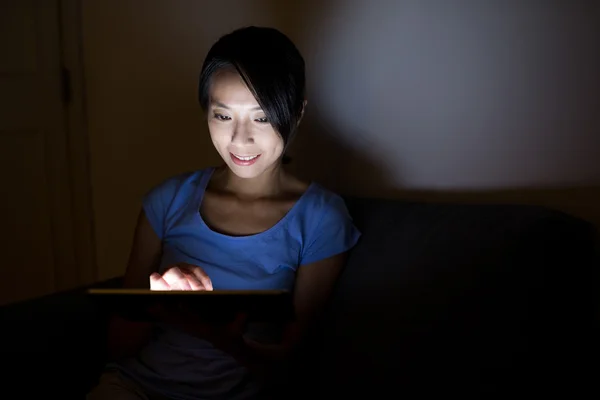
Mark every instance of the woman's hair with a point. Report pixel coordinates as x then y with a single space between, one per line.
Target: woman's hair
272 68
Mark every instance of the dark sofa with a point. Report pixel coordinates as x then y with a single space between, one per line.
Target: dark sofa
478 301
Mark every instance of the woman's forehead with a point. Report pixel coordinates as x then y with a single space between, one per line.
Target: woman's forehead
229 90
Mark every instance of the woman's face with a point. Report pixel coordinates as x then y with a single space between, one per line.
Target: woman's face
239 128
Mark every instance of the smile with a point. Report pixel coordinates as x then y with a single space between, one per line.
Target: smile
244 160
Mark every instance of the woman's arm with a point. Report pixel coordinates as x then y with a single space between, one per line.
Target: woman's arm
125 337
313 288
314 285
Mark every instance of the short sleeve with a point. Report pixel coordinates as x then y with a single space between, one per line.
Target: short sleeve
334 234
157 202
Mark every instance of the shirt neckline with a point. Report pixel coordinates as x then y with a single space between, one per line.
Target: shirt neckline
203 184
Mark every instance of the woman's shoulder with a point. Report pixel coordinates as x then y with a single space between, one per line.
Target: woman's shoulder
313 194
328 225
321 206
181 182
176 190
323 199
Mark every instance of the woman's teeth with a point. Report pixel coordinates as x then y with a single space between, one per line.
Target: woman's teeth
246 158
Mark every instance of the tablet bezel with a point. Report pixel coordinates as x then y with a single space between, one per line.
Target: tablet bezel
258 305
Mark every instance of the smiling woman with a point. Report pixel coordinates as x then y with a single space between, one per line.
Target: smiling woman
246 225
262 105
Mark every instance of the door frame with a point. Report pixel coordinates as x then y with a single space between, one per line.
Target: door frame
71 44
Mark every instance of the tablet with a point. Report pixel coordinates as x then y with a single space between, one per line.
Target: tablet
211 306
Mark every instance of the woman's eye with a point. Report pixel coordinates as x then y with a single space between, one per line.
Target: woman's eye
263 120
222 117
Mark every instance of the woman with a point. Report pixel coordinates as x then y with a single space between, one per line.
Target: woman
245 225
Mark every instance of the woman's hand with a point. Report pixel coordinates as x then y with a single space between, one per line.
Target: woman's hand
225 335
181 276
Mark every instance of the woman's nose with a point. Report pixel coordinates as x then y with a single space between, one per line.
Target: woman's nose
241 134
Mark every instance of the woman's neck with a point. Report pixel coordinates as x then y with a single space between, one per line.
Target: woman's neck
268 184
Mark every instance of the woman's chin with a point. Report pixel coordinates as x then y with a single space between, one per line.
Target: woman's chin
250 171
245 172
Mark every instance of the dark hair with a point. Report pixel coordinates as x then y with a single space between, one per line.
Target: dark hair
272 68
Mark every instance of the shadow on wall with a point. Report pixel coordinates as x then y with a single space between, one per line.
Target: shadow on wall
319 152
348 163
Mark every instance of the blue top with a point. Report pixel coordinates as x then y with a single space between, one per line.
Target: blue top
317 227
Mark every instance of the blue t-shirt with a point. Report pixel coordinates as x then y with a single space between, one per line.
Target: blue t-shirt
317 227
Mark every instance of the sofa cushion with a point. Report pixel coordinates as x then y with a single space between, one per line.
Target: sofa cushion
475 299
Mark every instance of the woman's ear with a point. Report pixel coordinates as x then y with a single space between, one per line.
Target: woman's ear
302 112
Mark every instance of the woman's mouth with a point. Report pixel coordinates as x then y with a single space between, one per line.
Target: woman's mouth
244 160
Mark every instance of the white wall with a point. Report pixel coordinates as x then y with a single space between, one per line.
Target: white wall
451 96
462 95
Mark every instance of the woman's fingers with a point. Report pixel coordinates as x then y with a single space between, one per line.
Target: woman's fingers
196 274
195 283
190 279
176 279
181 277
202 277
157 282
